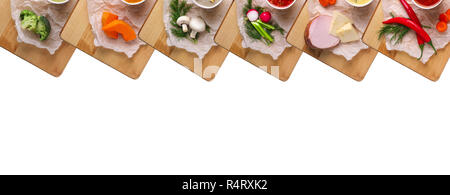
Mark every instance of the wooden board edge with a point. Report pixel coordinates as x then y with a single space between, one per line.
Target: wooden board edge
55 74
179 63
221 24
70 16
371 19
134 77
383 40
295 21
358 79
145 21
362 77
280 78
431 78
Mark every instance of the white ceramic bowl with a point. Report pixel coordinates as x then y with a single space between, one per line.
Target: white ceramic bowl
206 7
138 3
427 7
59 3
281 8
358 5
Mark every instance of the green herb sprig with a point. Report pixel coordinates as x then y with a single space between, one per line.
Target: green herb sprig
397 31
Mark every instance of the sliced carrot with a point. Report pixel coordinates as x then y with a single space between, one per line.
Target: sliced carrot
444 18
441 26
324 3
332 2
448 12
122 28
106 19
112 34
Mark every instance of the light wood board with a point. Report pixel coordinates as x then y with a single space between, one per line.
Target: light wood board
78 32
230 38
41 58
356 68
153 32
431 70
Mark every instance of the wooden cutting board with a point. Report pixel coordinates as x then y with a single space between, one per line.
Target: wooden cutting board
356 68
78 32
41 58
153 32
230 38
431 70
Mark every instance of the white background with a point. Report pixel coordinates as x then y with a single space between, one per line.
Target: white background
94 120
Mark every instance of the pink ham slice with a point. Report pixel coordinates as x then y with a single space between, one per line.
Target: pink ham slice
317 34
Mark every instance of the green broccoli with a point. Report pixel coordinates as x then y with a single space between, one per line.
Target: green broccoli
29 20
36 24
43 28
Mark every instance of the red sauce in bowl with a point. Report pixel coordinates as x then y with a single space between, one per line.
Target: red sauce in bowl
427 2
281 3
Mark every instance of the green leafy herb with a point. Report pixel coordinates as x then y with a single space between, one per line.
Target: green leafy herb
398 31
251 31
277 28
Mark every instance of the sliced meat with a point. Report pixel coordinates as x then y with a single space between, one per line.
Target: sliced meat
317 34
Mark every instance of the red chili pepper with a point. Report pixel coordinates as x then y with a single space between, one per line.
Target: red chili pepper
415 19
413 26
410 24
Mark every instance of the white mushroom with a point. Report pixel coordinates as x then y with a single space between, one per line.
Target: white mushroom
183 21
197 25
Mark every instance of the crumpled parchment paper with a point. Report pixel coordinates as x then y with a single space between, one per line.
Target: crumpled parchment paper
360 17
284 18
135 15
57 15
213 18
427 18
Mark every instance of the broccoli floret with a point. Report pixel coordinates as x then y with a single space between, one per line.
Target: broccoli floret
37 24
29 20
43 28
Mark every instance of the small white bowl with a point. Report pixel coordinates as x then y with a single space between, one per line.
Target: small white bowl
357 5
58 3
206 7
281 8
427 7
138 3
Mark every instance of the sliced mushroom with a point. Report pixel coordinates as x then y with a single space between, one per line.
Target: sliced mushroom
197 25
183 21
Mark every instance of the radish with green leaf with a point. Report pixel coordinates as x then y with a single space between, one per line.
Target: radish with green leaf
254 17
258 23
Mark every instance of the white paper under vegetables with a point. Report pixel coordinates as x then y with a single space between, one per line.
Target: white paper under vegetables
134 15
213 18
427 18
360 17
284 18
57 15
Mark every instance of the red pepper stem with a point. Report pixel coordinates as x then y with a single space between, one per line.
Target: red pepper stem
422 47
431 43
